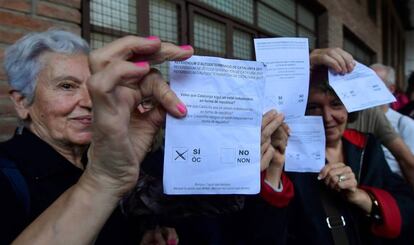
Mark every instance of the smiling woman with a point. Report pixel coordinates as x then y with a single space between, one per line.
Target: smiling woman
71 194
60 113
48 75
355 198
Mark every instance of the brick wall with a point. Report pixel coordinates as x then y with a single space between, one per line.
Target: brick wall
18 17
353 15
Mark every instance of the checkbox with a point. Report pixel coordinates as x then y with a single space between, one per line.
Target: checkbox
228 155
180 154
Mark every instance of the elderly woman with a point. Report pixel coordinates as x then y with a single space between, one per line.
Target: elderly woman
72 195
355 199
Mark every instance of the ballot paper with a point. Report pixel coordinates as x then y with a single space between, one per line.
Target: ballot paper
360 89
215 149
305 151
287 74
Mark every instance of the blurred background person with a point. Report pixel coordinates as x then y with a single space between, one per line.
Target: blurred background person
403 125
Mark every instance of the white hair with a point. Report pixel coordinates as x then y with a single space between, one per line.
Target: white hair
22 59
390 77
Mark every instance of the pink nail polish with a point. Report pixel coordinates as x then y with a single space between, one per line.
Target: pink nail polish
153 38
182 108
141 64
186 47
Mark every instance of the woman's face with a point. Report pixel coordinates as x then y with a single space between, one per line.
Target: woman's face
332 110
61 110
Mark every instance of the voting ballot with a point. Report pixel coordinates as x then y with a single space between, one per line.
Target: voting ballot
215 149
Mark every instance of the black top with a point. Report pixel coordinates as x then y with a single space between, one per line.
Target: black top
48 174
307 218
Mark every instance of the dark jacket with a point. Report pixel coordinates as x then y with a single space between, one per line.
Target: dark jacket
47 174
363 153
211 219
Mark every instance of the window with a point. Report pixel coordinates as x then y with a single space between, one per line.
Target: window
242 9
242 45
209 36
110 19
357 48
214 27
287 18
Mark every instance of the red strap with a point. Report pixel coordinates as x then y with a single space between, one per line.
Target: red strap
355 137
277 199
391 216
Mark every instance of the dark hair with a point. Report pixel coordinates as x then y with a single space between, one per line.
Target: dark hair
410 87
319 81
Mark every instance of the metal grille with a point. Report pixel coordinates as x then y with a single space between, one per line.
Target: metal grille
164 20
242 45
284 6
209 36
242 9
117 15
98 40
274 22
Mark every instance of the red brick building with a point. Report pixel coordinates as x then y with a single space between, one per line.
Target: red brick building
371 30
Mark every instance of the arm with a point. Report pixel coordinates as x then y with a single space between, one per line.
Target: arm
404 157
276 188
121 138
341 178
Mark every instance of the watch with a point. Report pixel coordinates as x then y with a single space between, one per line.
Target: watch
375 214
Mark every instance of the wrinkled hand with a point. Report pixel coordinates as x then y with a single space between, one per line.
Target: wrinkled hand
273 145
136 49
122 135
335 58
341 178
160 236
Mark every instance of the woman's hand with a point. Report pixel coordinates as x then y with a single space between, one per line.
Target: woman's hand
122 135
335 58
340 177
160 236
273 145
136 49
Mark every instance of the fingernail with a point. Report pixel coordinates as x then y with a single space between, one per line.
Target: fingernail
184 58
172 242
182 108
141 64
319 177
153 38
186 47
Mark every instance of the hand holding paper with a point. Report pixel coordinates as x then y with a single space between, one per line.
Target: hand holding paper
305 151
360 89
216 148
287 74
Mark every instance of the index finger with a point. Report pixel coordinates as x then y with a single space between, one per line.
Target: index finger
153 85
167 52
123 49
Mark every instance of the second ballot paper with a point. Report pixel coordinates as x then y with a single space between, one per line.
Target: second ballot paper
215 149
